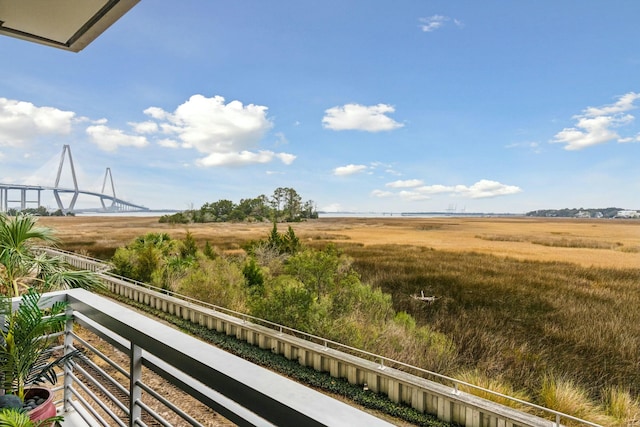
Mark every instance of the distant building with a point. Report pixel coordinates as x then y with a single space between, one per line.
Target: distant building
628 214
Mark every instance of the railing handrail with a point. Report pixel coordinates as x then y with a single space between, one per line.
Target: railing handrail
73 254
239 390
337 346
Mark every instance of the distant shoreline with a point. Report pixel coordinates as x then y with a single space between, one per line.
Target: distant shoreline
322 214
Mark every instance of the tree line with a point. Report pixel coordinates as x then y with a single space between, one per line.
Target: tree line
39 211
573 212
284 205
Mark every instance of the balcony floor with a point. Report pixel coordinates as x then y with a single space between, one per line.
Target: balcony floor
74 419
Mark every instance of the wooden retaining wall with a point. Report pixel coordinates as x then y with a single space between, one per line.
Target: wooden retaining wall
424 395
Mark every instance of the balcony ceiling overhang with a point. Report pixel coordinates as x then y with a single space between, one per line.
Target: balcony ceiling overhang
66 24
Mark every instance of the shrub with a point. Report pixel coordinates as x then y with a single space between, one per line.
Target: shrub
218 281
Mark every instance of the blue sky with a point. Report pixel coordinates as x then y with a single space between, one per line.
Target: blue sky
405 106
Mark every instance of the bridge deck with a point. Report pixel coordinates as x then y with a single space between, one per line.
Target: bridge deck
117 205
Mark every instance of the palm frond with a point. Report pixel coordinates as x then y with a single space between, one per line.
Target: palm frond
12 417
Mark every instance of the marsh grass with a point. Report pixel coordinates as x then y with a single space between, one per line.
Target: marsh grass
512 320
565 396
562 242
630 249
501 238
518 320
577 243
622 407
494 383
325 236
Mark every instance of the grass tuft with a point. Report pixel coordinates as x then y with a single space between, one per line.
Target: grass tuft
493 383
622 407
565 396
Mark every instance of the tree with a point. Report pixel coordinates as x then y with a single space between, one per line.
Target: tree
208 251
309 210
292 205
290 242
21 267
277 200
189 246
221 210
318 270
261 210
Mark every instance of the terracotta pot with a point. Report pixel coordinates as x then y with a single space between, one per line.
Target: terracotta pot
46 409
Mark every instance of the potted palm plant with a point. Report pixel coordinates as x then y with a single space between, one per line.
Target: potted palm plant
22 267
27 358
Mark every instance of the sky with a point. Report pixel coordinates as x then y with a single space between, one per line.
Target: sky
497 106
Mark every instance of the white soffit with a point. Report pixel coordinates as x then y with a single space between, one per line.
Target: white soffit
65 24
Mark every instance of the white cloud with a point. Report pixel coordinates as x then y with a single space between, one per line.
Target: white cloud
435 189
211 126
413 195
244 158
435 22
595 125
625 103
334 207
145 127
109 139
630 139
286 158
349 170
281 139
432 23
532 146
486 188
481 189
227 133
168 143
381 193
20 122
156 113
404 184
360 117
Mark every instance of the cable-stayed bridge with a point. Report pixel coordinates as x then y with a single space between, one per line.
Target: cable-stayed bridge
29 196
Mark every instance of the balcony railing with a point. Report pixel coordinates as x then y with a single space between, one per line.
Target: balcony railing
101 391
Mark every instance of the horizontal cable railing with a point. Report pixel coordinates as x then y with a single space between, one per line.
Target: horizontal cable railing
383 361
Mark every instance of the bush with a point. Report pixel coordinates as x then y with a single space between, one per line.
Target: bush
218 281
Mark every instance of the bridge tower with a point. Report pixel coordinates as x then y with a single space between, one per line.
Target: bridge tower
66 150
117 205
107 174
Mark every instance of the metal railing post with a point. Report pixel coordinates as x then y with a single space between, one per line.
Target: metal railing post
135 391
68 347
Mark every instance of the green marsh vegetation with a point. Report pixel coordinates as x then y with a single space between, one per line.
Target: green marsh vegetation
279 279
554 333
559 333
